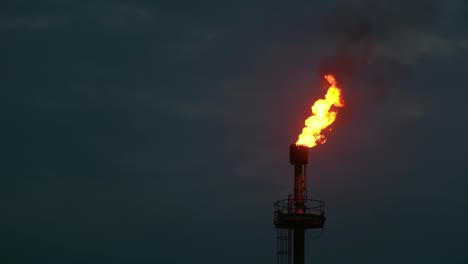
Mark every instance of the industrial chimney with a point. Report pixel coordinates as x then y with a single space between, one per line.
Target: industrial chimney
293 216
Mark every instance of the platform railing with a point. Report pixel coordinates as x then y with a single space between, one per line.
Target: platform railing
286 206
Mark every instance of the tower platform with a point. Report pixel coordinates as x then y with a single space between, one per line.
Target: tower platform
311 216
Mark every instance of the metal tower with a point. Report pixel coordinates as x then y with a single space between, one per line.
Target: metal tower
293 216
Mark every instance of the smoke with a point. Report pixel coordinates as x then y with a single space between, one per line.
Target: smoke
366 32
362 27
355 49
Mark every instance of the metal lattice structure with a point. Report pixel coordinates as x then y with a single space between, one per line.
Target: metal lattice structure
296 214
283 246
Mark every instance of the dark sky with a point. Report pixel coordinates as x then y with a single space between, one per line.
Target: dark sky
158 131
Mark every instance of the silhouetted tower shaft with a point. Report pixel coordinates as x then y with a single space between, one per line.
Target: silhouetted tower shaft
299 246
297 213
299 158
298 233
299 188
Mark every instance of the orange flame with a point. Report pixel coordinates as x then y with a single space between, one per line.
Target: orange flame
321 116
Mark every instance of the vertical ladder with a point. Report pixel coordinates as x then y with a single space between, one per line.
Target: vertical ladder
283 246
